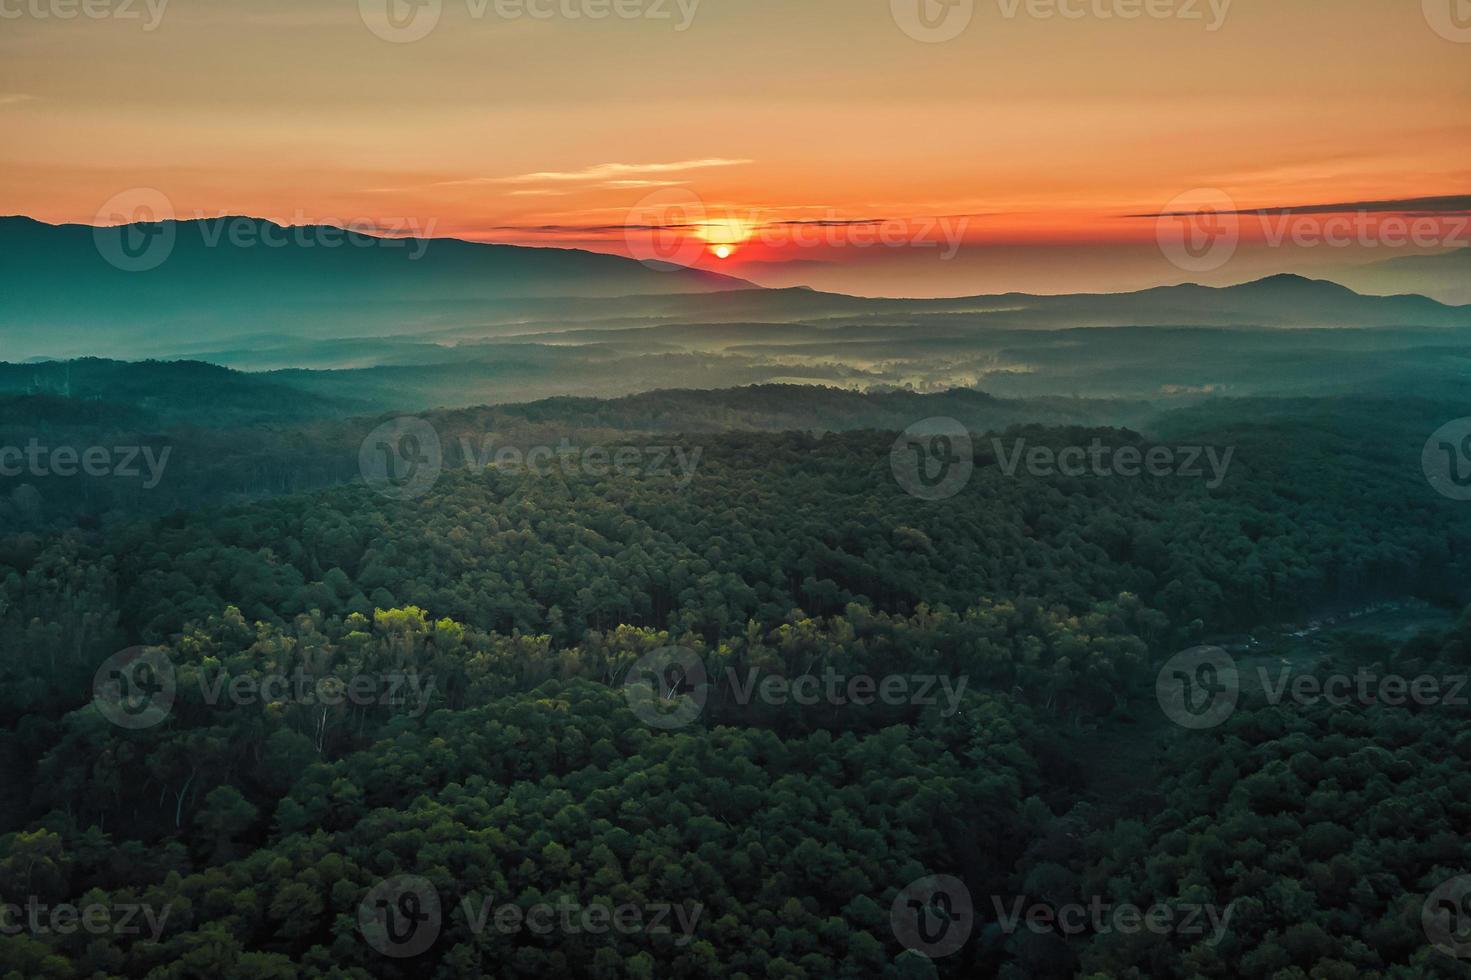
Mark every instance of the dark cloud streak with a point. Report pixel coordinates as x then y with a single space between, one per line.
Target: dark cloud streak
1453 204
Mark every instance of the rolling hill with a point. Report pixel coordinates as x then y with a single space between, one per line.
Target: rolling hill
159 287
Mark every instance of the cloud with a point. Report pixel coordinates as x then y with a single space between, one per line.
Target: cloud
1419 206
15 98
615 184
593 229
605 176
624 174
833 222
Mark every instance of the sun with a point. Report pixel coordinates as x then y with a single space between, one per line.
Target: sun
724 235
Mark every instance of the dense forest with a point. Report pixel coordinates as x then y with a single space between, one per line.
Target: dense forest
667 490
465 698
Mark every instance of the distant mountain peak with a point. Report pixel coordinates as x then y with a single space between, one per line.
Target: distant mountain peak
1291 281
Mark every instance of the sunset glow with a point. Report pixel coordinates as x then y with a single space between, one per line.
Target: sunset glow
1039 137
911 489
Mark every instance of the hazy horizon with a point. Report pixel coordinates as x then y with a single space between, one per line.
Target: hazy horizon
981 270
1004 146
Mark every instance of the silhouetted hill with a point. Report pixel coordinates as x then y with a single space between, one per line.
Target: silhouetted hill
169 392
251 293
1445 277
165 284
1278 301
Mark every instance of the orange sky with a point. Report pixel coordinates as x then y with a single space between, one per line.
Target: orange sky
1036 131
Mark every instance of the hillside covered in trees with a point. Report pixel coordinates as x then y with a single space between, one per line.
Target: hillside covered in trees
506 751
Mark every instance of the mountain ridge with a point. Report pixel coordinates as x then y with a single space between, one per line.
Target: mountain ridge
217 281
